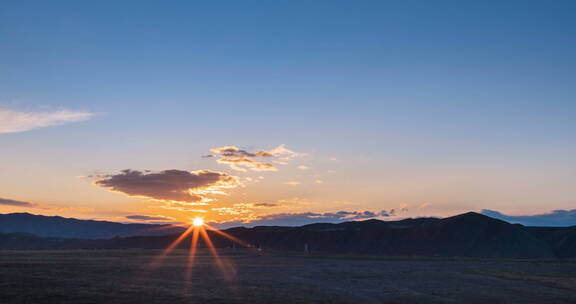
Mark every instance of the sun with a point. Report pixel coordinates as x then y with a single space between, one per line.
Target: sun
197 222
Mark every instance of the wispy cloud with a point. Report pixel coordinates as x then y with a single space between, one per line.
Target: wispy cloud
240 163
170 185
243 160
264 205
552 218
298 219
293 183
15 203
15 121
148 218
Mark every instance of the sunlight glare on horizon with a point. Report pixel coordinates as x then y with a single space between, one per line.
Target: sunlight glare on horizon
197 222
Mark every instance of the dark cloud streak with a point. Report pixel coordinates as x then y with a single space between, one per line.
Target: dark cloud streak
15 203
147 218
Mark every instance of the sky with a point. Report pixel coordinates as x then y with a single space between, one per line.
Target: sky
287 112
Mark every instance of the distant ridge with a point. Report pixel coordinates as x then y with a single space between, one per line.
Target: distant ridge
465 235
56 226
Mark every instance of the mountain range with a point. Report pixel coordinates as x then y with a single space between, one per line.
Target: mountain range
56 226
466 235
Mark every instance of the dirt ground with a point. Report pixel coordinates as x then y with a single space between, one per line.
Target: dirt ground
242 276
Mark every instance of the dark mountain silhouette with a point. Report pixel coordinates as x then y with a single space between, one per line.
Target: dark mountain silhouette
562 240
469 235
56 226
466 235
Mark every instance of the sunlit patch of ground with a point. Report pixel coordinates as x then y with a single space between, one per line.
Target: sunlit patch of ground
124 276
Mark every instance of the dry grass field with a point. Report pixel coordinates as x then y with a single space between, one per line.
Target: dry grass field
125 276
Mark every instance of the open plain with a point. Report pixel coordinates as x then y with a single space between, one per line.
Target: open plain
243 276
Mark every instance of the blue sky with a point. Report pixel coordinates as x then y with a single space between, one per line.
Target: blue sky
465 104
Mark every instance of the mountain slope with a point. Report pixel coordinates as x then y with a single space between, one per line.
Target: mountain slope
55 226
562 240
466 235
470 235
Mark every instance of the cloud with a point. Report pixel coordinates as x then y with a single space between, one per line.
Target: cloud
233 151
170 185
304 218
552 218
234 210
243 211
15 121
246 210
243 160
292 183
70 209
266 205
240 162
15 203
148 218
303 167
183 207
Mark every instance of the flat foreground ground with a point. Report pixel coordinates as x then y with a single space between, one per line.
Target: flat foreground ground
125 276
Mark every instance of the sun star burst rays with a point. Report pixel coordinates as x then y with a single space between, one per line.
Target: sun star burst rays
197 232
